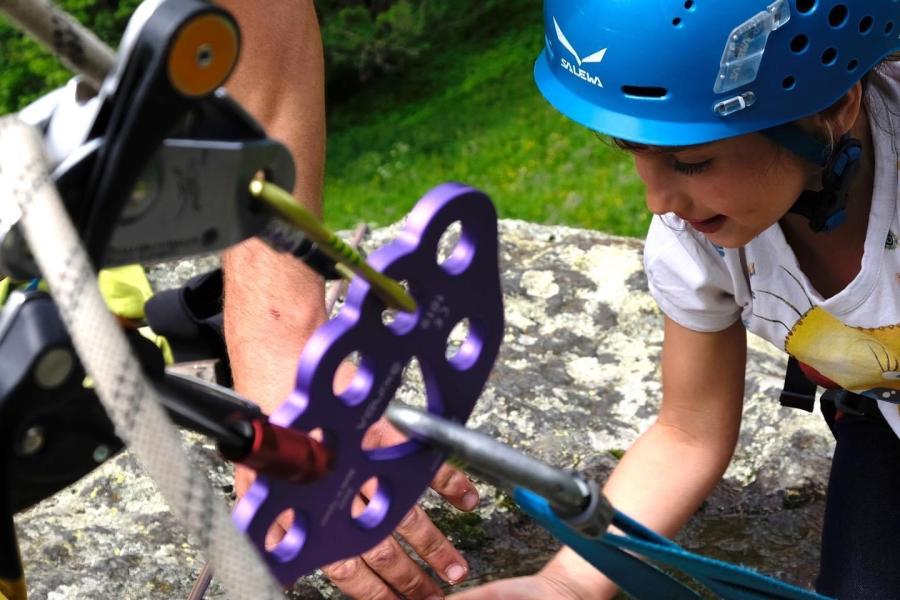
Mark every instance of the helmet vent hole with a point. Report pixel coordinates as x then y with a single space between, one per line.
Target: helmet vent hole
641 91
888 27
789 83
851 66
829 56
865 24
838 15
805 6
688 4
799 43
676 21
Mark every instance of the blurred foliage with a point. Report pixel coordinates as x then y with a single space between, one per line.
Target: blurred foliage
367 38
27 70
364 39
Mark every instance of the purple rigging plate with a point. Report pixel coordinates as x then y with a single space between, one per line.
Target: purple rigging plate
465 286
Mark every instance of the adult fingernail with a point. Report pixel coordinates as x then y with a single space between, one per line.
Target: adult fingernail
455 573
470 500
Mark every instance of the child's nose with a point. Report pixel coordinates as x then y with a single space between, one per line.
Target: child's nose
662 199
663 194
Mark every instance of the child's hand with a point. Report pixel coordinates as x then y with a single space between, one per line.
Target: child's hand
566 577
534 587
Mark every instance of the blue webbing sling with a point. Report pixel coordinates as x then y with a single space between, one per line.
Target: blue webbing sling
614 555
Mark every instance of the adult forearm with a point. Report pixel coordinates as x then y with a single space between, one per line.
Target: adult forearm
273 302
280 79
271 307
661 481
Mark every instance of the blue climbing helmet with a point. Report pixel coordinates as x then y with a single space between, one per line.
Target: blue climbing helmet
680 72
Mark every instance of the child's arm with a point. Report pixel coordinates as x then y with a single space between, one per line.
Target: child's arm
671 468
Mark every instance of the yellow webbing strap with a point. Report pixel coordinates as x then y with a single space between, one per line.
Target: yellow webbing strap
13 589
5 287
125 290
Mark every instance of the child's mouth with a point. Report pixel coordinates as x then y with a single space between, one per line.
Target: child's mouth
710 225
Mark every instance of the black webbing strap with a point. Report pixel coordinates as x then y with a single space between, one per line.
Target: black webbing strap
853 404
190 318
799 392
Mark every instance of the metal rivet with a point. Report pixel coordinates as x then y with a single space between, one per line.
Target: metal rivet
101 453
54 368
204 55
32 441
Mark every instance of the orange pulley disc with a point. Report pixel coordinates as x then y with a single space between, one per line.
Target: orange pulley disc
203 55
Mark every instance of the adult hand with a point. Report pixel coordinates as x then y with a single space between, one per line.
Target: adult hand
386 572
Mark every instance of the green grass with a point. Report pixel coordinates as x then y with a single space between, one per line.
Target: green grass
469 111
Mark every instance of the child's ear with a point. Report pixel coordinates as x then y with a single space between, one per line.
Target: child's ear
840 116
836 120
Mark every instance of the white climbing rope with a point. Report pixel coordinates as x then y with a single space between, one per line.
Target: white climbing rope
130 400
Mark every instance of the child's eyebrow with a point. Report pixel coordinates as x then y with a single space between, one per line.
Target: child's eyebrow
634 147
674 149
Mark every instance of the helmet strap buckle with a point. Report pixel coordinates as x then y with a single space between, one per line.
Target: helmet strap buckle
826 208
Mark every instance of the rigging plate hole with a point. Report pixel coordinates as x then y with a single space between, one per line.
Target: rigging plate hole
381 440
286 536
371 504
352 379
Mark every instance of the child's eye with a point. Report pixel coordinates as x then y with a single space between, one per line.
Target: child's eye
691 168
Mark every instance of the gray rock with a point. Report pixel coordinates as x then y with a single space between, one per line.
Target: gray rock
576 382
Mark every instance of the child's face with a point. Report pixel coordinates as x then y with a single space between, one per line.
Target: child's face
730 190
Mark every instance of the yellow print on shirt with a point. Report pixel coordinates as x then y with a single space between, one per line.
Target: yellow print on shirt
860 359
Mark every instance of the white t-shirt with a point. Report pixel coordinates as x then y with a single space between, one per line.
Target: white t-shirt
852 338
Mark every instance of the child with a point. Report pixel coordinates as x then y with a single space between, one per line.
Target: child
765 133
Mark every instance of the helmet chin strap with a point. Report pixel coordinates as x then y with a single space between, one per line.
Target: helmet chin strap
825 209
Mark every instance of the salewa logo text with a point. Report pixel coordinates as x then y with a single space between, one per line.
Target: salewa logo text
577 71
